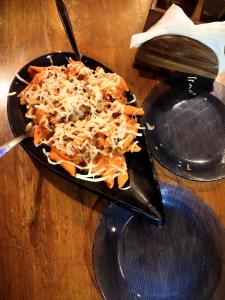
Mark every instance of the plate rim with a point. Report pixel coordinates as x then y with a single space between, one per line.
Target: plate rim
164 165
163 185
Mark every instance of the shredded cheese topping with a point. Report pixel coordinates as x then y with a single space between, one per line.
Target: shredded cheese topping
21 79
11 94
80 114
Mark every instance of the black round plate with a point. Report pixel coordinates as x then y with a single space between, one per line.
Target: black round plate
144 195
184 260
187 127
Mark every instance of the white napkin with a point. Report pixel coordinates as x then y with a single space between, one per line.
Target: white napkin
175 21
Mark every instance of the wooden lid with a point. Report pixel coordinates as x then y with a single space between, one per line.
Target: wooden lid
177 53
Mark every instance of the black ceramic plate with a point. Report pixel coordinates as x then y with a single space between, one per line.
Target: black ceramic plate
134 260
144 195
187 127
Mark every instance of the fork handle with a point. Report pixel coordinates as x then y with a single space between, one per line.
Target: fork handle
8 146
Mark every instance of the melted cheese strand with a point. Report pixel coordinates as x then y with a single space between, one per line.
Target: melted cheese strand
125 188
83 177
21 79
50 59
11 94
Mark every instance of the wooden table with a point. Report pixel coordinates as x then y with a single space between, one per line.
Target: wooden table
47 224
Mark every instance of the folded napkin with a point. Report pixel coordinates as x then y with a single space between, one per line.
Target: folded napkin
175 21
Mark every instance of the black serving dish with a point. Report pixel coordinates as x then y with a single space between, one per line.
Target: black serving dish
144 195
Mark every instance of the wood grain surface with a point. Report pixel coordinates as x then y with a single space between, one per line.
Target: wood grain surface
177 53
47 224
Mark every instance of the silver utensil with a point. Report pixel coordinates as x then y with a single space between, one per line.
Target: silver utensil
11 144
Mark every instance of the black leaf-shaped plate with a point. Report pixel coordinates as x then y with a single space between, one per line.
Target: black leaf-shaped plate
184 260
144 195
